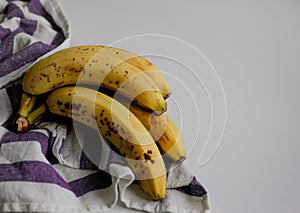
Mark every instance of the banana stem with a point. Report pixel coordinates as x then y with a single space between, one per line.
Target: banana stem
36 113
24 122
27 104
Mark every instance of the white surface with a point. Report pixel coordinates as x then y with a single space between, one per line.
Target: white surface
254 47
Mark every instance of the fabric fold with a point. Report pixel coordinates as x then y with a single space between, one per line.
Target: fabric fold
60 165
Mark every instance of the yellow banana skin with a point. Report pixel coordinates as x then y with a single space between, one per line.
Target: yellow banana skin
93 68
163 130
133 59
26 104
171 142
121 127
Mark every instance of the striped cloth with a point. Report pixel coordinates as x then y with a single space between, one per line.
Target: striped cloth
53 168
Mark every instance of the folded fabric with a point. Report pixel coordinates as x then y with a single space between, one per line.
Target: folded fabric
29 30
52 167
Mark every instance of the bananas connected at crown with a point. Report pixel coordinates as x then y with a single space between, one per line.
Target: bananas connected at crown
118 93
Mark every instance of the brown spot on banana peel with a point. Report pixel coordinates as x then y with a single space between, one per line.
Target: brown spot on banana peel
59 102
147 157
68 105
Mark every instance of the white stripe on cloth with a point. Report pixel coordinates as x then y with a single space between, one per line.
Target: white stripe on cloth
71 174
94 146
55 9
3 132
42 33
188 204
179 176
62 151
3 4
134 197
11 24
5 106
52 198
21 151
21 40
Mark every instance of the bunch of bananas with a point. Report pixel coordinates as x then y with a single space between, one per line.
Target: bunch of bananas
118 93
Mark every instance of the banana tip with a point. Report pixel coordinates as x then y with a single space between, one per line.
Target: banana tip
180 160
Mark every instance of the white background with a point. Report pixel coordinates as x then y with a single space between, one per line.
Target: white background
255 48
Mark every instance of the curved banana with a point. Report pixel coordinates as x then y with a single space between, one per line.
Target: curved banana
133 59
165 133
121 127
94 68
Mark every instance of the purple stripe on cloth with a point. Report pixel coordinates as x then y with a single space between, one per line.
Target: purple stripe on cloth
39 172
92 182
7 45
10 62
51 142
41 138
13 10
4 32
36 7
194 188
116 157
59 38
91 146
25 56
86 163
51 158
31 171
14 93
28 26
49 155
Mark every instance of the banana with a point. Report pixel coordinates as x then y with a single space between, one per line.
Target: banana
163 130
167 136
133 59
93 68
118 125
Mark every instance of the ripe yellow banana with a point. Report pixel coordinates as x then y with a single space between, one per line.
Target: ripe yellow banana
167 136
121 127
94 68
133 59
